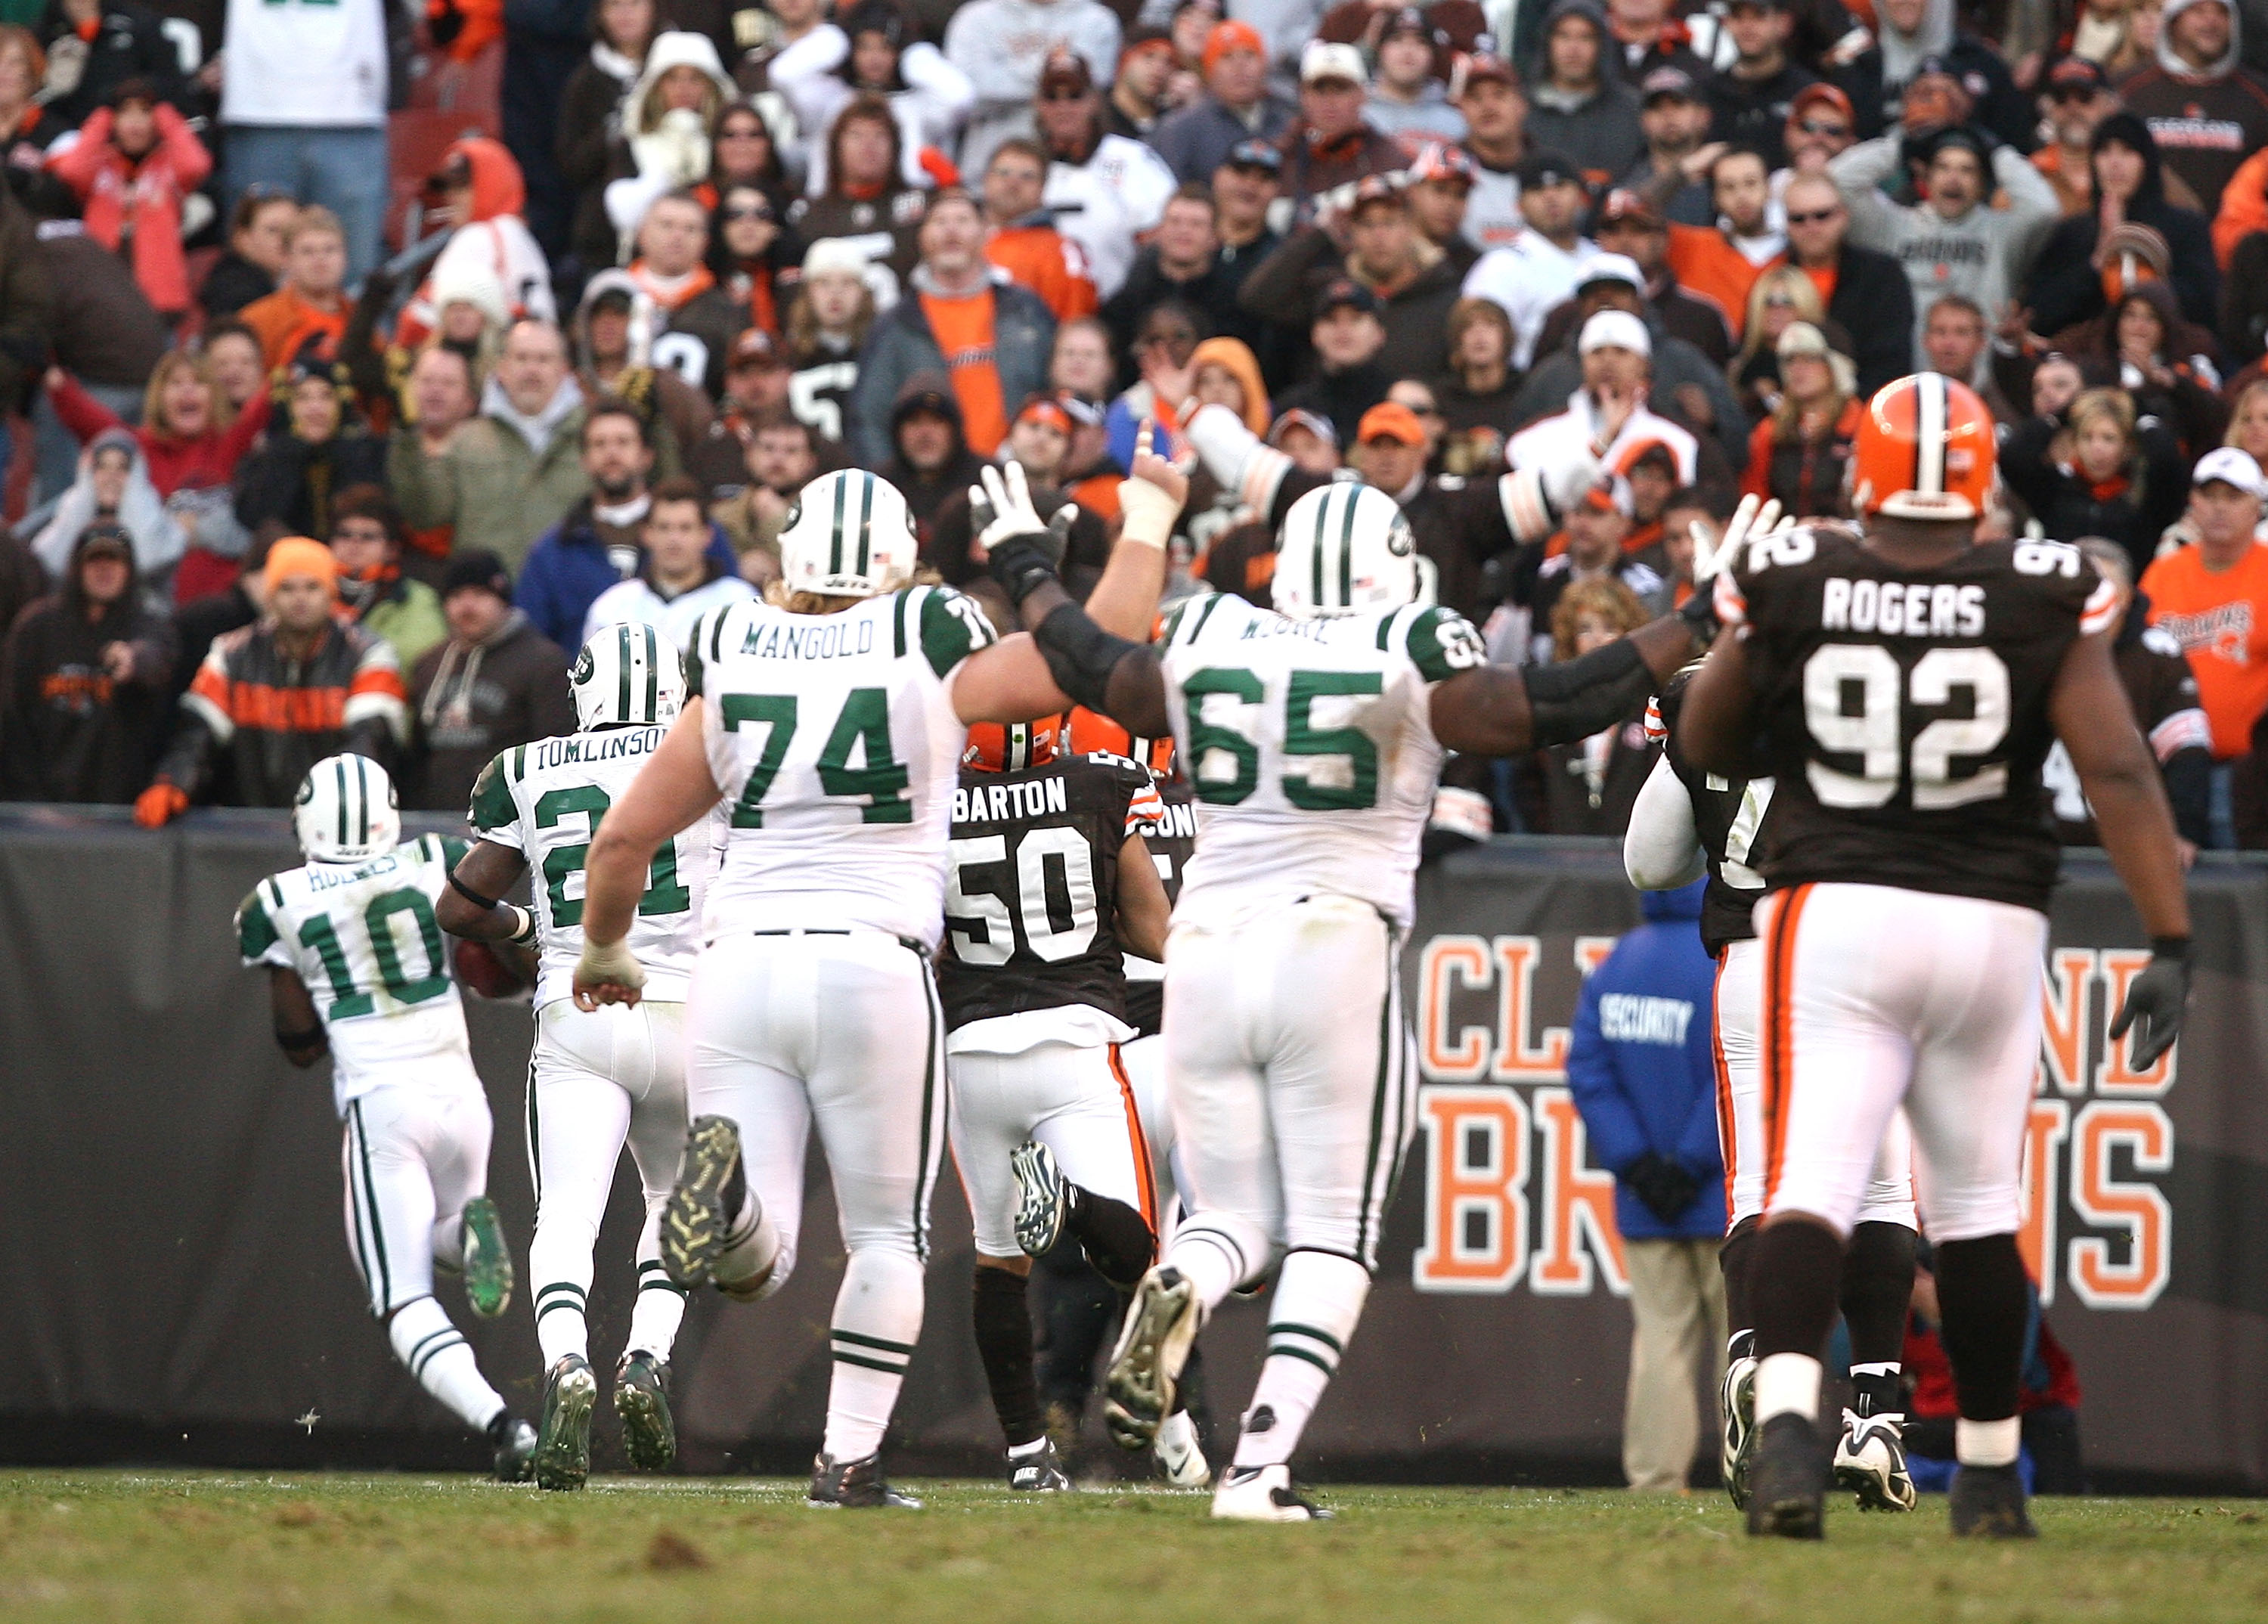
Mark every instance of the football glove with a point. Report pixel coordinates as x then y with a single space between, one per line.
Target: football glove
610 965
160 804
2154 1001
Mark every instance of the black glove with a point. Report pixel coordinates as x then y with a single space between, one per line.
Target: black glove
1664 1189
2154 1001
1699 612
1022 564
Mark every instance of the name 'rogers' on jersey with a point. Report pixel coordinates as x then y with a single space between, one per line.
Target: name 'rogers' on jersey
544 800
1906 708
835 741
1310 746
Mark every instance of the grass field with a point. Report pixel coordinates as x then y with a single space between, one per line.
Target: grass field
184 1548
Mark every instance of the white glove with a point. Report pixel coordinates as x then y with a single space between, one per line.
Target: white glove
610 965
1750 519
1565 484
1007 495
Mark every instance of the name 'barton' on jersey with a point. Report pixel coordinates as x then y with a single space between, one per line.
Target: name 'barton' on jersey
1906 708
544 800
1031 903
363 939
834 739
1310 746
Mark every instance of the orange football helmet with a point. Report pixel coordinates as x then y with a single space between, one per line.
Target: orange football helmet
1086 731
1924 450
996 747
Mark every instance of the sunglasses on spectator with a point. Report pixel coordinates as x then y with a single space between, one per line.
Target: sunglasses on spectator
1778 301
741 133
749 211
358 533
1427 411
1813 127
1815 217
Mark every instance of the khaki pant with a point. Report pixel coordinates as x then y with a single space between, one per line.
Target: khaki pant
1677 1297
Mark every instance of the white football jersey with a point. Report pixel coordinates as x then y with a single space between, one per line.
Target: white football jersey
363 939
1310 744
544 800
834 739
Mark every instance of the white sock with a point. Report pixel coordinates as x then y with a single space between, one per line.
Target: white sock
449 1242
1318 1299
560 1326
436 1354
1017 1452
1207 1260
659 1310
1988 1444
750 1266
1177 1434
878 1318
1788 1385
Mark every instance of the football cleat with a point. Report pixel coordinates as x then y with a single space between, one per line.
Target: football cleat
1263 1495
1988 1504
1180 1456
710 1191
563 1450
1042 1201
641 1401
1038 1471
1737 1400
1161 1326
1787 1480
855 1483
1870 1461
515 1447
488 1259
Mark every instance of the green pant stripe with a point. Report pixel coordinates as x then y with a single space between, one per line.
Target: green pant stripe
923 1177
370 1199
1289 1351
563 1286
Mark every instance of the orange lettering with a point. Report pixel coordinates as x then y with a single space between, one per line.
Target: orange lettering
1477 1190
1517 1060
2064 1017
2138 1209
1447 964
1578 1201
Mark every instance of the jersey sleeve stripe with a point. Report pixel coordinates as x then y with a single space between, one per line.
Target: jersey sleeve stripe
2101 610
898 622
2184 729
1198 626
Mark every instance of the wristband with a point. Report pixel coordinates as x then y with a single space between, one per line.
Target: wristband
1021 564
523 923
486 903
1149 513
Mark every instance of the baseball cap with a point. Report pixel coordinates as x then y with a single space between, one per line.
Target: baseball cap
1437 161
753 348
476 566
1480 65
1669 82
1606 267
1815 95
1147 38
1044 409
2077 73
106 538
1233 36
2230 467
1376 189
1300 418
1345 291
1620 206
1801 338
1965 139
1390 420
1610 493
1547 167
834 256
1254 155
1323 60
1066 69
1615 329
1407 19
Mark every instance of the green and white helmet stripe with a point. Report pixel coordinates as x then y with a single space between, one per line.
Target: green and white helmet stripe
346 811
851 534
627 675
1344 548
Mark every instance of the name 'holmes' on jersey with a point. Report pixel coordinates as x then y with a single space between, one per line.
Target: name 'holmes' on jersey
1908 708
835 741
1311 745
544 800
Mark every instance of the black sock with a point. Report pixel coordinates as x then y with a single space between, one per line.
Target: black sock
1115 1238
1735 1259
1078 1311
1985 1299
1878 1274
1792 1280
1004 1342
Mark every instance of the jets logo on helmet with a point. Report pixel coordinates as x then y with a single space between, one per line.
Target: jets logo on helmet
849 535
346 811
1344 549
995 747
1925 449
626 677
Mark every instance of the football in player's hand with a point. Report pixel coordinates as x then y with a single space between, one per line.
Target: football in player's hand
491 969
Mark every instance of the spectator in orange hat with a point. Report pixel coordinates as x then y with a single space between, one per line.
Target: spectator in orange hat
1140 95
1236 105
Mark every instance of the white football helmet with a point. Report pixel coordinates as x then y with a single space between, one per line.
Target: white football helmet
849 535
627 675
1344 548
346 812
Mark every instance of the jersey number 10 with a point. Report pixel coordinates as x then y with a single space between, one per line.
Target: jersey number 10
377 918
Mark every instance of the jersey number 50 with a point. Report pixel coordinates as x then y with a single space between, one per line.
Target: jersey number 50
1854 701
967 898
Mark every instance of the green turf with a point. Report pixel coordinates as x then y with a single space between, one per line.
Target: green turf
183 1549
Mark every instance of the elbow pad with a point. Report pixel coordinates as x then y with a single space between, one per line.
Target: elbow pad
1080 655
301 1047
1579 697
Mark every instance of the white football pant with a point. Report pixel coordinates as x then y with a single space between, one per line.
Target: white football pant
1075 1099
1889 1197
599 1079
1874 996
1144 1061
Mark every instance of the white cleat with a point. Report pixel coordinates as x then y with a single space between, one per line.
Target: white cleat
1263 1495
1737 1403
1870 1461
1161 1327
1180 1458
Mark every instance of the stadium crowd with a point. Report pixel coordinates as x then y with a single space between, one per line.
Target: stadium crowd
276 494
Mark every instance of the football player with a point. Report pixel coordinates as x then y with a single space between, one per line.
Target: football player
1907 681
1685 821
1049 880
1313 736
599 1078
357 968
831 722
